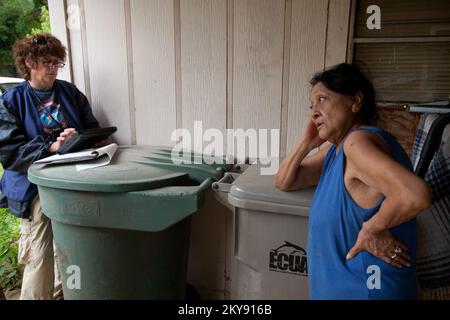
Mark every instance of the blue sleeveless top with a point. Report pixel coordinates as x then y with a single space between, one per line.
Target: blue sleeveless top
334 223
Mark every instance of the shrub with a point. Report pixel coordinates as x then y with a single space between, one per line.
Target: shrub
10 270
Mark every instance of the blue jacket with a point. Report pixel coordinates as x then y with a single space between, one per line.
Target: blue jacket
22 139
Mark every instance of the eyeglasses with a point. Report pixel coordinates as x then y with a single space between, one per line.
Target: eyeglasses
51 63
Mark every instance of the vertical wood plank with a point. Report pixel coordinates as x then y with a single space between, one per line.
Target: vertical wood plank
286 74
258 63
177 51
308 32
351 31
154 70
230 64
57 12
108 72
337 32
131 104
204 63
87 79
76 49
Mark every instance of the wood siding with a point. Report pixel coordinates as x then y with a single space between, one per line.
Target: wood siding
151 66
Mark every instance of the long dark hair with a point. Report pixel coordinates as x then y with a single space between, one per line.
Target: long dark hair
347 79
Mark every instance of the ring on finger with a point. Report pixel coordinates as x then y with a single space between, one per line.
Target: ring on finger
397 251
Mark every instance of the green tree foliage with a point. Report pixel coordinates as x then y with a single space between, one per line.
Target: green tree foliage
10 270
44 20
19 18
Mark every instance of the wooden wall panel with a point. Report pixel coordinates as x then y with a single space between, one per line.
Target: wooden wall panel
258 63
224 62
76 30
59 30
152 25
308 33
203 63
108 72
337 32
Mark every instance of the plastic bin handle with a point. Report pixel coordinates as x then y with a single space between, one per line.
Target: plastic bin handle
205 185
225 183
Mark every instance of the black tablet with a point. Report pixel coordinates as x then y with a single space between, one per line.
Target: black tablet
86 139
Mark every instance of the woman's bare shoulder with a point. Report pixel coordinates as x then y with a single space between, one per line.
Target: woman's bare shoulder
363 140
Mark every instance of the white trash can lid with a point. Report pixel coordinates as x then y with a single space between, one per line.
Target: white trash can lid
257 192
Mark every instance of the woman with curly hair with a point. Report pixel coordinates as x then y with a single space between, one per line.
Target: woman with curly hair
36 118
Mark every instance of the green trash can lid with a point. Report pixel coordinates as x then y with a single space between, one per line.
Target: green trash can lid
133 168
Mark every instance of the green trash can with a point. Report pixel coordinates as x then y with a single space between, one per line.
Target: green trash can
122 230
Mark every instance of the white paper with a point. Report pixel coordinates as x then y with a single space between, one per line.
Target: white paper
105 154
90 158
70 157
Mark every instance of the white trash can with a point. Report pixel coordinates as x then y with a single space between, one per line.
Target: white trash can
210 252
270 234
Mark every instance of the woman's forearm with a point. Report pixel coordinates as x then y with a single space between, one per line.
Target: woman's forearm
289 170
396 210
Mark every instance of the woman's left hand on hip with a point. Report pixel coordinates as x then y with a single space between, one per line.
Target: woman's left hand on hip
382 245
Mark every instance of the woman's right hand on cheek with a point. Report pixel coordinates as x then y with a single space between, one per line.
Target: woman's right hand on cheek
311 136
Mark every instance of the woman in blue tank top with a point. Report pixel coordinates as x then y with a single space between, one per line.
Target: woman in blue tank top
362 232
